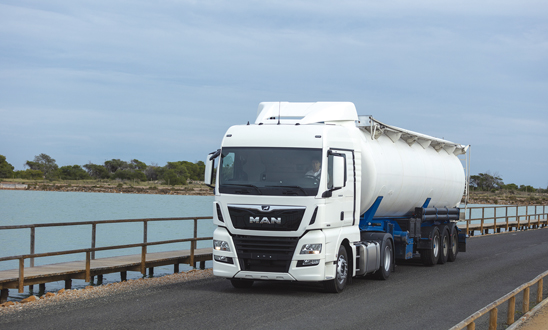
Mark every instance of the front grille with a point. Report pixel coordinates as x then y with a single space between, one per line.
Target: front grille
253 219
265 254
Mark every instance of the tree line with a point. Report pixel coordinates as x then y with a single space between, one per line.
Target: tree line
493 182
44 167
176 173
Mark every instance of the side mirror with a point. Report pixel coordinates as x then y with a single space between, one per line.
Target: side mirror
210 167
339 172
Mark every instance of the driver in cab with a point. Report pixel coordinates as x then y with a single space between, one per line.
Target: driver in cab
316 169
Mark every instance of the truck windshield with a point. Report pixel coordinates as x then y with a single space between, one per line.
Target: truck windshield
270 171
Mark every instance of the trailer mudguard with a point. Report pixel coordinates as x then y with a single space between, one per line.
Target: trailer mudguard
425 242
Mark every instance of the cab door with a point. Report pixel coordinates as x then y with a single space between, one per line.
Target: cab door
343 201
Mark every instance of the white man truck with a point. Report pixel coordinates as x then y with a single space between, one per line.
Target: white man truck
379 194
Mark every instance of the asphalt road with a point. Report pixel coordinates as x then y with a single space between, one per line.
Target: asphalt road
414 297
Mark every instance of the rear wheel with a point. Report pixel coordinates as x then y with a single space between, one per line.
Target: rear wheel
386 260
241 284
444 246
430 257
453 245
338 284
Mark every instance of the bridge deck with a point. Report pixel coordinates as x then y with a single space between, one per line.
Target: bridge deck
67 271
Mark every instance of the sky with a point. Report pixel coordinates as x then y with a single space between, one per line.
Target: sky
158 81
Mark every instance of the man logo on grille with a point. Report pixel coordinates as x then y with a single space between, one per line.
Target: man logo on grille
265 220
265 207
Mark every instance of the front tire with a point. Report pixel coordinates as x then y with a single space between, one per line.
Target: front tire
338 284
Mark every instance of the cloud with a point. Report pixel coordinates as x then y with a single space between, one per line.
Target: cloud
159 81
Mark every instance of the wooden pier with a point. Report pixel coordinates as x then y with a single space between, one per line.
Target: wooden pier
90 267
498 227
68 271
507 218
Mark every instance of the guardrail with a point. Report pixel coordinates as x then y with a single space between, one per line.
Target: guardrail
509 220
94 224
90 252
492 309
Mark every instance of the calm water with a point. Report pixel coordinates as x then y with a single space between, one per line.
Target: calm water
31 207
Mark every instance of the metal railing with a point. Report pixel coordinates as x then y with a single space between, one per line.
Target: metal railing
470 322
510 219
90 252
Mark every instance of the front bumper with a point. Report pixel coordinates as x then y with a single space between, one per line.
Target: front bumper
294 273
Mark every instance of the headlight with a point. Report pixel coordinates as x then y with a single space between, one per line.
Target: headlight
311 249
221 245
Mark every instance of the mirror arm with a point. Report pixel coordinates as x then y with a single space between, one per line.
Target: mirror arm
212 157
329 193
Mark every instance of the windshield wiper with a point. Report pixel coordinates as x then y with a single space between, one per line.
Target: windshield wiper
244 185
295 187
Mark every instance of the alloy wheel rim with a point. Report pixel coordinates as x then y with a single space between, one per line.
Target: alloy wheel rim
342 269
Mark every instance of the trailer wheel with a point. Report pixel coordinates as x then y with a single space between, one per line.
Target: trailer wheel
386 260
444 246
338 284
241 284
430 257
454 245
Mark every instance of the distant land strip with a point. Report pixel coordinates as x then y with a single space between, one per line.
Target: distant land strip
194 190
199 189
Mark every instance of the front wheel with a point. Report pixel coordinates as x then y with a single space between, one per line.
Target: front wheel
338 284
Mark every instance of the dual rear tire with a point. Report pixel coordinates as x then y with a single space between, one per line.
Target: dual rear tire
444 247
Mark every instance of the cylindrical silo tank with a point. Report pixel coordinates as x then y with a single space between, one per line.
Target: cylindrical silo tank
406 169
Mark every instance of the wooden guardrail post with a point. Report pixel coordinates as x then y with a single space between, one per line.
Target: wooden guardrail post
511 310
21 284
539 290
32 244
518 226
88 266
468 222
506 216
193 244
527 216
143 259
493 319
471 326
93 238
525 306
144 248
145 231
495 229
482 219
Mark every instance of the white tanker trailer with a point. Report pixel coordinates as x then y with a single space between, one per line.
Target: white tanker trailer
313 192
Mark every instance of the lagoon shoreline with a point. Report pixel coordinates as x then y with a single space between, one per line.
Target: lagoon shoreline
199 189
190 190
